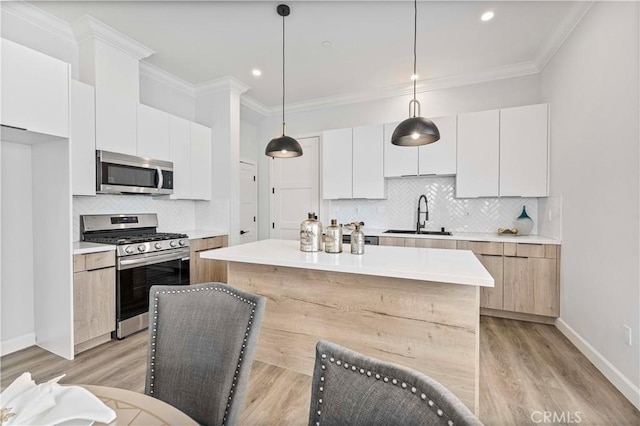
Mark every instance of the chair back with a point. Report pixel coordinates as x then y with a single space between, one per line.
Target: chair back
353 389
202 340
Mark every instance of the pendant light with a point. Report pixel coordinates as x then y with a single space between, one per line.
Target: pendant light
415 130
283 146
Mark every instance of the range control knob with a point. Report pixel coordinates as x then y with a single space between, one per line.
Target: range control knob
172 243
142 248
128 249
158 246
183 242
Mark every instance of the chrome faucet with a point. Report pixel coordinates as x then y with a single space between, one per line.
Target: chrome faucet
426 213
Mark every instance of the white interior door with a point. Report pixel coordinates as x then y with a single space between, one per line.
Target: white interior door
294 190
248 202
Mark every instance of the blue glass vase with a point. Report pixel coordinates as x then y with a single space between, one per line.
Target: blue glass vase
523 223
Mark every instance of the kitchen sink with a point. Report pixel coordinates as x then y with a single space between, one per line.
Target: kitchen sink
412 231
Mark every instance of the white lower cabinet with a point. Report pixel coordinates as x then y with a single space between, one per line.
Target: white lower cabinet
83 139
35 91
353 163
190 152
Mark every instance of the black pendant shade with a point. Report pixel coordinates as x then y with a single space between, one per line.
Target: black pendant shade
283 146
415 131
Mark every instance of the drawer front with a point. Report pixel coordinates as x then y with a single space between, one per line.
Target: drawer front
208 243
530 250
482 247
430 243
79 263
392 241
99 260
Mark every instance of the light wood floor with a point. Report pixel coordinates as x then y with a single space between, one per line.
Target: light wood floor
525 370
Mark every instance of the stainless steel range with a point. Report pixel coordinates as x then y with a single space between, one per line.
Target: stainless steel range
144 257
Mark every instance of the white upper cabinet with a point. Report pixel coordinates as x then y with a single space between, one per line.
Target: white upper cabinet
191 156
116 126
523 151
439 158
35 91
478 154
398 160
180 150
368 162
200 162
337 164
83 139
153 133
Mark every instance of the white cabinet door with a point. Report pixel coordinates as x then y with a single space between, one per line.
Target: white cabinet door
115 122
478 154
35 91
337 164
153 133
180 155
398 160
200 162
439 158
523 151
368 162
83 139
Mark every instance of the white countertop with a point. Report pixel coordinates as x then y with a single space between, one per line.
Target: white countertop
467 236
82 247
195 234
449 266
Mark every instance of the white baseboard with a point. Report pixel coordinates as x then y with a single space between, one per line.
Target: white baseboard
17 343
622 383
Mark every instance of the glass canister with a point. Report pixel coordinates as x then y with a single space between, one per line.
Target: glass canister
357 239
333 238
311 234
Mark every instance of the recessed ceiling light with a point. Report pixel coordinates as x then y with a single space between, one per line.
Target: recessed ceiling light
415 77
487 16
326 43
256 72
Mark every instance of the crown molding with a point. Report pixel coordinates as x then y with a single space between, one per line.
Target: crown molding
39 18
220 84
256 105
557 39
156 73
510 71
89 27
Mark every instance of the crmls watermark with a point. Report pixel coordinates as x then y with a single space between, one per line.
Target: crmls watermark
566 417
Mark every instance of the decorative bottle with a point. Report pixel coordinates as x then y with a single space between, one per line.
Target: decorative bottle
311 234
333 238
357 239
523 223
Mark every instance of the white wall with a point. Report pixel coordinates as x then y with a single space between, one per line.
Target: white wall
16 291
166 98
249 141
592 85
477 97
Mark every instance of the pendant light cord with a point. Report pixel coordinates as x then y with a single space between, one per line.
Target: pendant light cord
283 87
415 38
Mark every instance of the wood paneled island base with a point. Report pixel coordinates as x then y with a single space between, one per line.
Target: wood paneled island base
428 326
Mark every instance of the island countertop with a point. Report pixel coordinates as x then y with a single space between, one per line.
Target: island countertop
446 266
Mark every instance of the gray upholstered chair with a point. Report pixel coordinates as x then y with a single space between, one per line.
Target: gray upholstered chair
353 389
202 340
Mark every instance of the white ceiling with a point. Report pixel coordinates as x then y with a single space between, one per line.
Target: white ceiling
371 41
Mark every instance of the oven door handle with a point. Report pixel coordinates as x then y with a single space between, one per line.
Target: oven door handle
132 263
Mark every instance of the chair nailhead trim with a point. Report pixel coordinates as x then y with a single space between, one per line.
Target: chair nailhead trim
377 376
206 288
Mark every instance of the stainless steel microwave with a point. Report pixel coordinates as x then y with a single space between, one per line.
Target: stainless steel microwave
127 174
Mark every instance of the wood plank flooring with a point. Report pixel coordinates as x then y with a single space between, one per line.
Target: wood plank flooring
526 369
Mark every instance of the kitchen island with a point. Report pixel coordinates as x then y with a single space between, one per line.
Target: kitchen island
411 306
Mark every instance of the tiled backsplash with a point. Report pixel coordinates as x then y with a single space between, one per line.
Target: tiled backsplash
399 210
173 215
